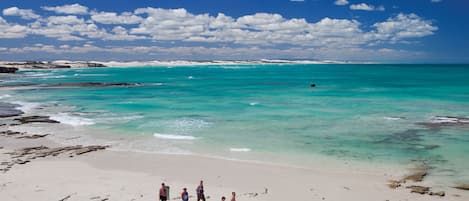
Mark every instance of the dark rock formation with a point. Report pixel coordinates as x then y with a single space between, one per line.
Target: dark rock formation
394 184
35 136
21 135
417 176
95 65
8 69
36 119
9 110
445 121
462 187
90 84
418 189
28 154
439 193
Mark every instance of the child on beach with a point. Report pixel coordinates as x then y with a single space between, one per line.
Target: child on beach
233 198
200 191
223 198
184 195
163 193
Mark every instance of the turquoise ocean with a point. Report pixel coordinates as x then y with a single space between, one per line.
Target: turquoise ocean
356 112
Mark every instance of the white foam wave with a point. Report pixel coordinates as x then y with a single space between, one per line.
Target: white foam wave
444 120
190 77
253 103
119 119
394 118
174 137
89 75
5 96
35 74
240 149
26 106
66 118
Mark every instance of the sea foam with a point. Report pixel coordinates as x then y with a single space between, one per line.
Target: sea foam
5 96
66 118
174 137
26 106
240 149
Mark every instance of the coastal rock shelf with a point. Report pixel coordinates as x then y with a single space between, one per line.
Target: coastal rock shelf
28 154
8 69
36 119
417 175
9 110
445 121
51 65
75 84
21 135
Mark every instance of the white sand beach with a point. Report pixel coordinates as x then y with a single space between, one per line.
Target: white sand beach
119 175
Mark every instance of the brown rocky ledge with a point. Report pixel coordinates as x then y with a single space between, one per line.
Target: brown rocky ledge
462 187
28 154
21 135
35 119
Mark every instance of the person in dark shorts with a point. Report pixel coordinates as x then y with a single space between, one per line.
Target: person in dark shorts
184 195
200 191
163 193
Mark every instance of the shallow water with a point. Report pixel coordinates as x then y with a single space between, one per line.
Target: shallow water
355 112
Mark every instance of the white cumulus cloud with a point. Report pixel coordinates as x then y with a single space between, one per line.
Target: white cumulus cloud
12 30
114 18
366 7
403 26
68 9
341 2
26 14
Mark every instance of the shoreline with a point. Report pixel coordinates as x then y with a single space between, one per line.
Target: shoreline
107 173
133 175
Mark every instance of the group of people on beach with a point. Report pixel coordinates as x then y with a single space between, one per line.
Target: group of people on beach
164 193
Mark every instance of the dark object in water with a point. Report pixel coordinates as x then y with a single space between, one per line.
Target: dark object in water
8 69
312 85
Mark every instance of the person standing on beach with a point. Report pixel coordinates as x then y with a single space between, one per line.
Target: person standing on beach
163 193
184 195
233 198
200 191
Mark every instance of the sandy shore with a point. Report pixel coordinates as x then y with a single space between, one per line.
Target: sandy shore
119 175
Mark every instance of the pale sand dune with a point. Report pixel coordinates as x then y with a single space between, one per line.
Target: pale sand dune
136 176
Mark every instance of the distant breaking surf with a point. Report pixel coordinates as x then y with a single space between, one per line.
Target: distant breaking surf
174 137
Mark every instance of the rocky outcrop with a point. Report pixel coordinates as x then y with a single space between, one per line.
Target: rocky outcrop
394 184
462 187
73 84
418 189
21 135
8 69
36 119
95 65
9 110
28 154
439 193
90 84
437 122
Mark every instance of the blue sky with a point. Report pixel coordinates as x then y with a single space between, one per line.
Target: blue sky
424 31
